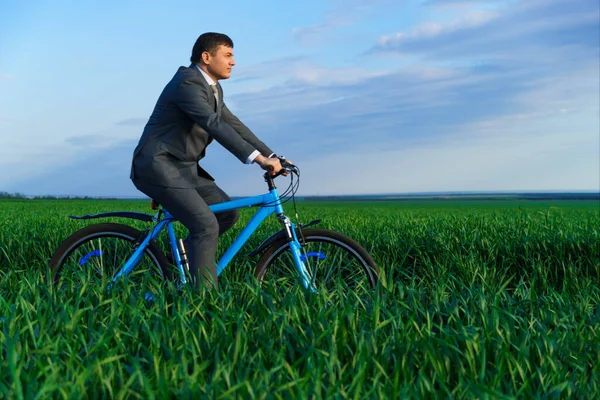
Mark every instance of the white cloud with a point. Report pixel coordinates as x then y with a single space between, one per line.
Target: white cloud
53 154
341 13
286 71
465 3
309 34
520 158
433 29
512 32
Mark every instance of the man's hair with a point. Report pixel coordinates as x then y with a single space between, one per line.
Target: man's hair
209 41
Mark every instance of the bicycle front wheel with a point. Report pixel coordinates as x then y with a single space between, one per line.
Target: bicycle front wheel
335 263
93 255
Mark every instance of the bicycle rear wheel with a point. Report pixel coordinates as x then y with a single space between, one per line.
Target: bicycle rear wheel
93 255
335 263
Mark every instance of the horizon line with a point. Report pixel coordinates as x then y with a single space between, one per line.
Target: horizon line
388 194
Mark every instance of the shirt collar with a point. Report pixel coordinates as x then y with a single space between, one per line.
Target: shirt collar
209 80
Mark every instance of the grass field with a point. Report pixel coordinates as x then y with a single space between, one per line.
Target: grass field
484 299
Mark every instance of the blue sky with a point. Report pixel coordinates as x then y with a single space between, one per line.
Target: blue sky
376 96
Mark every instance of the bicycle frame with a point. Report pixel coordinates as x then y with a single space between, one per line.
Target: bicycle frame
270 203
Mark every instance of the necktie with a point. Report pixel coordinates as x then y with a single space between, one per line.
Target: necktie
216 92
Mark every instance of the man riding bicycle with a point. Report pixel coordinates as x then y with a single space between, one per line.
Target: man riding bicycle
188 115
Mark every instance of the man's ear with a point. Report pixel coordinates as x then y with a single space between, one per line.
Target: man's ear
205 57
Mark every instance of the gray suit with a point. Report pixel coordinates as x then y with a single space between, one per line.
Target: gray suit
184 122
165 166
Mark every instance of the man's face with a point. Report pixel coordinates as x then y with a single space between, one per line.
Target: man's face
220 63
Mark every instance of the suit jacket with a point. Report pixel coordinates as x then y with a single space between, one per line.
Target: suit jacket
184 122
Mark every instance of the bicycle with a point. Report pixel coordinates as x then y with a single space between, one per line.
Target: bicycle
296 250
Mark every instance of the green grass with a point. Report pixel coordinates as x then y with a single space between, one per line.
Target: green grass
483 300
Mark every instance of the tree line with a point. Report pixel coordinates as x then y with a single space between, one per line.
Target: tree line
18 196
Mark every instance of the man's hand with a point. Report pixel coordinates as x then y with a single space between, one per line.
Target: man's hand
273 165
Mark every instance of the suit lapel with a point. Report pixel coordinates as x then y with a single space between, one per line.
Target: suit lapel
211 96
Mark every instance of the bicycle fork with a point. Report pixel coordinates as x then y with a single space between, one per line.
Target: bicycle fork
295 248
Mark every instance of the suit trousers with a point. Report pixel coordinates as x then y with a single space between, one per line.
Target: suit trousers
190 207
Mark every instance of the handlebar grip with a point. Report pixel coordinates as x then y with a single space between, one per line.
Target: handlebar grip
287 167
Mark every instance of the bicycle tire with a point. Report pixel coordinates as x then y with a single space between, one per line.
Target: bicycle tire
67 253
288 276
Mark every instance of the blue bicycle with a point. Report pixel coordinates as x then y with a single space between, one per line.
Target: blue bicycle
319 259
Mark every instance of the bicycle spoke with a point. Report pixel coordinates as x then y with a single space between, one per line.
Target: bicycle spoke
98 260
115 255
333 266
101 259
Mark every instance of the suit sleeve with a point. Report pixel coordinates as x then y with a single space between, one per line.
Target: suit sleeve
245 132
193 101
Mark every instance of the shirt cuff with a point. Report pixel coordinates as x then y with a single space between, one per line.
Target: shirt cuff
252 156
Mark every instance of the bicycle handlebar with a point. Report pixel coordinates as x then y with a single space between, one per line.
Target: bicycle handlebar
287 167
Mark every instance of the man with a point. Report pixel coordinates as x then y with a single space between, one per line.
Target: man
188 115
